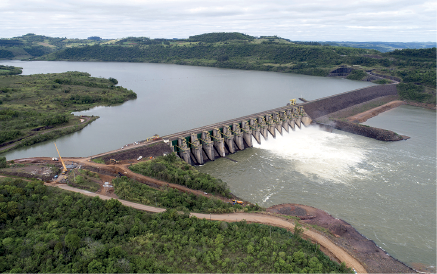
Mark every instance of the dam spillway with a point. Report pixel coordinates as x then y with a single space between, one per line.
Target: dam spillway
199 145
207 143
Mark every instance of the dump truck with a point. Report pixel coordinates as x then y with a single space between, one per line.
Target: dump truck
238 202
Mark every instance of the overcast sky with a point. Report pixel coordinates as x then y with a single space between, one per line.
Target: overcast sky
304 20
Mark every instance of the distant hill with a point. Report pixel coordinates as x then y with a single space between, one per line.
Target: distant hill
220 37
381 62
32 45
383 46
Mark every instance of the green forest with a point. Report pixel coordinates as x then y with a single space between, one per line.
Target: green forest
36 108
172 169
10 70
45 229
166 197
241 51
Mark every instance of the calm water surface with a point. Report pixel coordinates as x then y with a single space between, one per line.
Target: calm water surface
173 98
385 190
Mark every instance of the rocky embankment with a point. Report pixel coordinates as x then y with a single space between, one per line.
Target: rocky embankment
373 258
367 131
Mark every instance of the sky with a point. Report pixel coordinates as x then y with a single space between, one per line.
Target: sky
302 20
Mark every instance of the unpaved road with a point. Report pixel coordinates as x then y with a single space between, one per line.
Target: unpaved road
338 252
364 116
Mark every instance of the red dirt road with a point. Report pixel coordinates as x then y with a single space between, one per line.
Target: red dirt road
364 116
338 252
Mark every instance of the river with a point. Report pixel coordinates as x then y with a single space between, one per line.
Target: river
385 190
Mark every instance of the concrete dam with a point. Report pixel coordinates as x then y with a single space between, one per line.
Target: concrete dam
199 145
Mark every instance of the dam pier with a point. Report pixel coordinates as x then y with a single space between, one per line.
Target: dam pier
207 143
200 145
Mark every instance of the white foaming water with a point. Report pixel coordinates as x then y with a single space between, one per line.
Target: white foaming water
312 151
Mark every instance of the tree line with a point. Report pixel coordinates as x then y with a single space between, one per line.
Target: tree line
32 103
45 229
172 169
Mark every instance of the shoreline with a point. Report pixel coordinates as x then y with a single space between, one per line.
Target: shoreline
344 235
366 115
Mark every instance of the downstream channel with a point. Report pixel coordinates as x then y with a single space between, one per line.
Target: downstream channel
385 190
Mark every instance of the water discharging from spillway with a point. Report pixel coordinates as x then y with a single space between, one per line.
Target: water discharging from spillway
314 152
386 190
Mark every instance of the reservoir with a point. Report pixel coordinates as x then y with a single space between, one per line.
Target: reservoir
385 190
174 98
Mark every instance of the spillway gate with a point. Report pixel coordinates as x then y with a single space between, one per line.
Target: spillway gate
208 143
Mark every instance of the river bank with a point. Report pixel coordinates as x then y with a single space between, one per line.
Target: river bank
371 256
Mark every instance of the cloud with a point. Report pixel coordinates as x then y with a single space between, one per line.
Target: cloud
390 20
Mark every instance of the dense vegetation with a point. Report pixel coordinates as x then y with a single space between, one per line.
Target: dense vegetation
383 46
241 51
83 179
239 54
133 191
45 229
410 91
220 37
36 103
357 75
3 162
10 70
172 169
31 45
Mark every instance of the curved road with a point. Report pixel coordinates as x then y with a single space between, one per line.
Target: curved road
338 252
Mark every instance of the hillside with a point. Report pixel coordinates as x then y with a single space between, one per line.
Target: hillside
241 51
383 46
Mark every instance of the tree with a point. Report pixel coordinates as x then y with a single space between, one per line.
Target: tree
72 241
298 230
3 162
95 267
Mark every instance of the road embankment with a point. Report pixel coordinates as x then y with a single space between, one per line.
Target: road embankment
339 253
367 131
366 115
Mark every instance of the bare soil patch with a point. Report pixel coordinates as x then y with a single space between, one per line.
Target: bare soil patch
373 258
43 172
366 115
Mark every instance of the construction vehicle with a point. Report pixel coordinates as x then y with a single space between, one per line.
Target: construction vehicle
64 170
113 161
237 202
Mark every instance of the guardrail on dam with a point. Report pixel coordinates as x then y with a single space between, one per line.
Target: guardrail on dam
208 143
